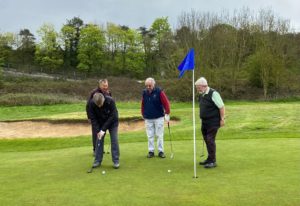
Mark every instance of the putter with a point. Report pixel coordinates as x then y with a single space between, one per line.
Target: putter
172 154
90 170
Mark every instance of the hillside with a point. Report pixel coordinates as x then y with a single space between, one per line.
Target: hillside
42 89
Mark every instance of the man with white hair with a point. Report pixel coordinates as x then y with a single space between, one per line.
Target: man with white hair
154 107
212 114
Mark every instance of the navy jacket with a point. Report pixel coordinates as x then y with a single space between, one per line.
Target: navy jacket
153 107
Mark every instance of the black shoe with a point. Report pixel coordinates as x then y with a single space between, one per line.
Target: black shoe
203 162
161 155
96 164
150 155
210 165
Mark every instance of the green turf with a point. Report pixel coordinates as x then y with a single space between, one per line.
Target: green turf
249 172
257 151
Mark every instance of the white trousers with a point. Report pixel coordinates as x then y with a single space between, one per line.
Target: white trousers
155 127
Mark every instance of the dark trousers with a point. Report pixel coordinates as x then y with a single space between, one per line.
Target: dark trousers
115 151
209 136
94 137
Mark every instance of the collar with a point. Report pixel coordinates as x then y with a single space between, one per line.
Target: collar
206 92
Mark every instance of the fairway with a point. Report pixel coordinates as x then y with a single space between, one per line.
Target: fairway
258 160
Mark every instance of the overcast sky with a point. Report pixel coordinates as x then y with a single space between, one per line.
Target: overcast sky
32 14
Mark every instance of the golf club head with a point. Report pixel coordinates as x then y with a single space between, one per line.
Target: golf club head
172 156
90 170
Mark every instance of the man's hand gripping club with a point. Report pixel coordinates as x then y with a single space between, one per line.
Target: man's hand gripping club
100 134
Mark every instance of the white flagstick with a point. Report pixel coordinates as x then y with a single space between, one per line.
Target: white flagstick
194 125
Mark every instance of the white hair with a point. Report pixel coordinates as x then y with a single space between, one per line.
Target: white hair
150 79
201 81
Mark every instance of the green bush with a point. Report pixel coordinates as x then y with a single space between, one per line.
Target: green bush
180 90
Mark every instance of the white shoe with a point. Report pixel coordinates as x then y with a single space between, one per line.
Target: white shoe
116 165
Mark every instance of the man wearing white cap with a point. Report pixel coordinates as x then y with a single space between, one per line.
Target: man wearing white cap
212 114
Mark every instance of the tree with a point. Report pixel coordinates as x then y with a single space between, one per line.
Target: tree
26 49
112 43
48 52
264 68
148 44
67 34
161 28
162 45
132 54
269 58
90 48
125 37
193 32
124 47
7 43
70 34
1 72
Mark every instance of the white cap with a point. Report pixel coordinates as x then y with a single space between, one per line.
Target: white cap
201 81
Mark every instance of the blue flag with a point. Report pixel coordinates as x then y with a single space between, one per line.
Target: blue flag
188 63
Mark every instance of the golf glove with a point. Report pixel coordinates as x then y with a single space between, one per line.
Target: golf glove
167 117
100 134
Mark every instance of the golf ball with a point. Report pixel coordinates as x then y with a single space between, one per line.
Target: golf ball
103 172
169 170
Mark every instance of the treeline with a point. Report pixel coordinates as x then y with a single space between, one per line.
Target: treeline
236 52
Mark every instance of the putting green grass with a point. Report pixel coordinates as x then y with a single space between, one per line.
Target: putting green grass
258 155
250 172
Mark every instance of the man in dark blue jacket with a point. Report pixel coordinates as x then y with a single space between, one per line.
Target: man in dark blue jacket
154 107
104 116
